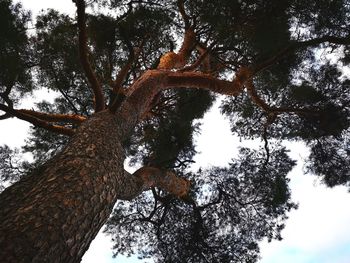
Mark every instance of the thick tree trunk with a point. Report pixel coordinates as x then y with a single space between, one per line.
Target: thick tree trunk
54 214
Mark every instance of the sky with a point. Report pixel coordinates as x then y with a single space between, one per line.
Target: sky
317 232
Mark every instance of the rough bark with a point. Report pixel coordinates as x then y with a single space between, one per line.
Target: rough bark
147 177
172 60
55 213
144 89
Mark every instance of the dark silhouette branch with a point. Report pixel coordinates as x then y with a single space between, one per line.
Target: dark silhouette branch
271 117
274 110
122 74
64 94
68 99
5 116
99 99
203 59
185 18
5 96
298 45
256 98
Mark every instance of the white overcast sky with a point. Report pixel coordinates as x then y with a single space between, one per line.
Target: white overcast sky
318 232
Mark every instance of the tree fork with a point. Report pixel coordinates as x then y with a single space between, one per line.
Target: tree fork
147 177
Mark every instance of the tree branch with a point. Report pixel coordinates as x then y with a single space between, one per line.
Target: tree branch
206 81
273 110
255 97
121 76
281 54
142 92
84 57
52 117
302 44
65 95
172 60
204 59
180 5
5 116
146 178
5 96
37 122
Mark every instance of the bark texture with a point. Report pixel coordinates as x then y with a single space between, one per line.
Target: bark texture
54 214
147 177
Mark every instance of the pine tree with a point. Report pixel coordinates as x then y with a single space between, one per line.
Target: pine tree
133 83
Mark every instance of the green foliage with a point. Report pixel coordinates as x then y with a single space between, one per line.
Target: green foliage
59 65
305 93
8 169
230 211
232 208
15 54
322 97
330 159
167 139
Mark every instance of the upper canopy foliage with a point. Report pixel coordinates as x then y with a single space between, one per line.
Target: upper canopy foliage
297 53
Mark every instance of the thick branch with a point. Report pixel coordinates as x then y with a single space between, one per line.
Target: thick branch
142 92
5 116
84 57
70 118
206 81
5 96
147 177
172 60
37 122
256 98
180 5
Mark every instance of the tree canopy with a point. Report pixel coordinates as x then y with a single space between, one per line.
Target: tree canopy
281 66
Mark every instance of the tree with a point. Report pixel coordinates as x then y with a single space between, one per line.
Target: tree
122 93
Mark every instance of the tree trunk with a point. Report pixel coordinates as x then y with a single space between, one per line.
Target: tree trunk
55 213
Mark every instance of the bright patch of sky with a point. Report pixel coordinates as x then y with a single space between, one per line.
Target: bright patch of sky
317 232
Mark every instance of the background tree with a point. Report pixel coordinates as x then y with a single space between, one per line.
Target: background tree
123 91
